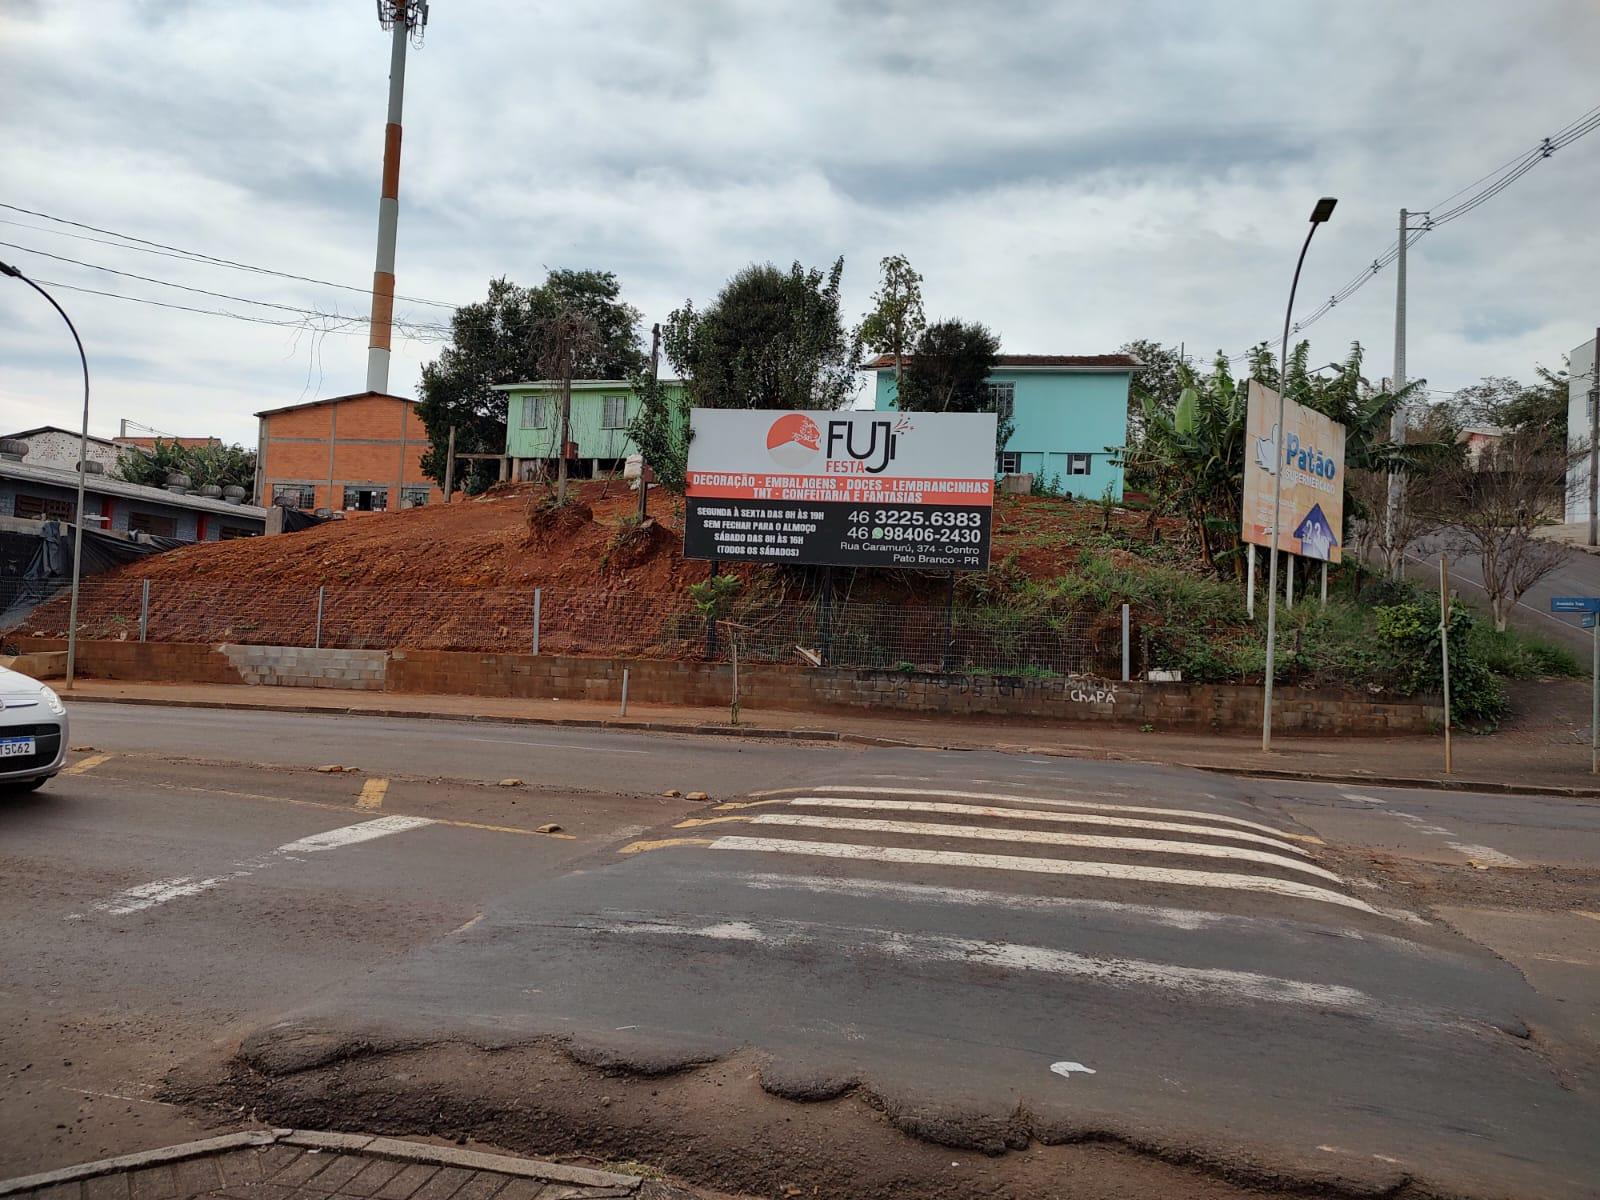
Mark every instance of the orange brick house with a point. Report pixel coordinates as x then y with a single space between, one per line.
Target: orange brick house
357 453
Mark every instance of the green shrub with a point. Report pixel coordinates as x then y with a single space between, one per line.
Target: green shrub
1517 656
1410 632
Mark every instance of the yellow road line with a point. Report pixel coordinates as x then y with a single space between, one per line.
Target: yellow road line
323 804
1294 837
691 822
637 847
85 764
731 804
372 793
1583 912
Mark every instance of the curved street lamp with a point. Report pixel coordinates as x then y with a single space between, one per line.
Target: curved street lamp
1319 214
83 451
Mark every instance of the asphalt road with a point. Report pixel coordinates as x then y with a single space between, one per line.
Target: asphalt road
1578 575
1254 980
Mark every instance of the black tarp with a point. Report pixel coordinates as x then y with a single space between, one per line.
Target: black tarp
48 568
294 520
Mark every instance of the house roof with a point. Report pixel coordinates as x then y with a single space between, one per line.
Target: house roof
1037 362
578 385
104 485
27 433
271 412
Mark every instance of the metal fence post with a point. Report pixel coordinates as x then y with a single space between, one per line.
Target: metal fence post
321 591
624 711
144 610
1125 662
538 596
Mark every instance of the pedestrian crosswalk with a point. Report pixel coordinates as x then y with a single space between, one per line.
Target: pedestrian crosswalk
939 837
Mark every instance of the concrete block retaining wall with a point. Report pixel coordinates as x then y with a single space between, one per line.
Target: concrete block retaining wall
300 666
1218 707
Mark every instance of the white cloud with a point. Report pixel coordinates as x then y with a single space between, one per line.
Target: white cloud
1074 177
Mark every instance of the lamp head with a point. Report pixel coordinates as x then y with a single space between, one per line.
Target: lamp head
1323 210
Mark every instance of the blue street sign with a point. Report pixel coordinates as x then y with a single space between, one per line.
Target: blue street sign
1577 604
1588 620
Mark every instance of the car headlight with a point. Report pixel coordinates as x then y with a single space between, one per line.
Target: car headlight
53 702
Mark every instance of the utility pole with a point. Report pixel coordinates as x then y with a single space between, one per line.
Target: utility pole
1397 423
402 18
1594 438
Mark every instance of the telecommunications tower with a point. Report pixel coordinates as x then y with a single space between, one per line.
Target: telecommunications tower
404 20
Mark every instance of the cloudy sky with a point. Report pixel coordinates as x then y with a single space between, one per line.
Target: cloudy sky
1073 174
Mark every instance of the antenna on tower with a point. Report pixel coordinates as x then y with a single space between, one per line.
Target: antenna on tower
404 20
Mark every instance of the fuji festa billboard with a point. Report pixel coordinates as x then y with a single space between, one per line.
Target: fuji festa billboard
1310 452
849 489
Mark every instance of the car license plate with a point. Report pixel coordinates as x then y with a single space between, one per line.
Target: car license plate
16 747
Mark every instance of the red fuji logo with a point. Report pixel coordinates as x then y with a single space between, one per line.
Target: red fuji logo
793 441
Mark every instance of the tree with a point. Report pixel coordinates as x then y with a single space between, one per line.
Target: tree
896 318
213 463
570 338
498 340
949 371
1494 507
771 339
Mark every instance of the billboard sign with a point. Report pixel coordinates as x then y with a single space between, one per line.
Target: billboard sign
846 489
1310 452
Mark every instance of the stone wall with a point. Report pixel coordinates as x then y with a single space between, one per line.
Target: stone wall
1219 707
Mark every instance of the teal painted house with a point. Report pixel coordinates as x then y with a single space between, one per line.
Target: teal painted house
1067 410
598 428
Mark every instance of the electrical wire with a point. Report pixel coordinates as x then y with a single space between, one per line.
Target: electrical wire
1488 187
130 242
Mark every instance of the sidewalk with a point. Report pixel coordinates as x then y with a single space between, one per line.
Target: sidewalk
1543 754
288 1164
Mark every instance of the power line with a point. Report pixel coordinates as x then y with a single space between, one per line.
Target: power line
129 242
1488 187
306 322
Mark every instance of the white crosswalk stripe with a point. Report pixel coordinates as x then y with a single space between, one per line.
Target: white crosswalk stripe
1050 801
1042 815
1042 837
1173 876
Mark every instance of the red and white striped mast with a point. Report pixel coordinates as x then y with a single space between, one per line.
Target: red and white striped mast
404 19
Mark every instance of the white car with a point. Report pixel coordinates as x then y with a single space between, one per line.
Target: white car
33 732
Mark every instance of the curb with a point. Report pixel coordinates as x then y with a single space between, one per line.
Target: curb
1422 783
377 1147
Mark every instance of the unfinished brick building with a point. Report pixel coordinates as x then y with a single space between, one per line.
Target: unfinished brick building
356 453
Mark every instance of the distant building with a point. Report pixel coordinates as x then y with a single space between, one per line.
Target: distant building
1580 383
33 493
1479 438
57 448
356 453
597 428
1070 413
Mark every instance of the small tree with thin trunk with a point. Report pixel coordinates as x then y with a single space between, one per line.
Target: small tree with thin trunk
568 339
896 318
1493 509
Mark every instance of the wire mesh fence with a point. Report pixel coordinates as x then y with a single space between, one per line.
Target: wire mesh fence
815 631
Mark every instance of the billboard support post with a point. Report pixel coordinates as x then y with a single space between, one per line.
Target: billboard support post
1288 586
1324 583
1250 583
950 624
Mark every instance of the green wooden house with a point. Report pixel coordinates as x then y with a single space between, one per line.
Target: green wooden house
597 430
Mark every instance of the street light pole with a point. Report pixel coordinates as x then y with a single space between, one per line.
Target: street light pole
1319 214
83 452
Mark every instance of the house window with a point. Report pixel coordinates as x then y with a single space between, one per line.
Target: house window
414 496
227 533
535 412
614 415
1010 463
1077 464
41 508
366 499
1003 399
294 495
153 525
